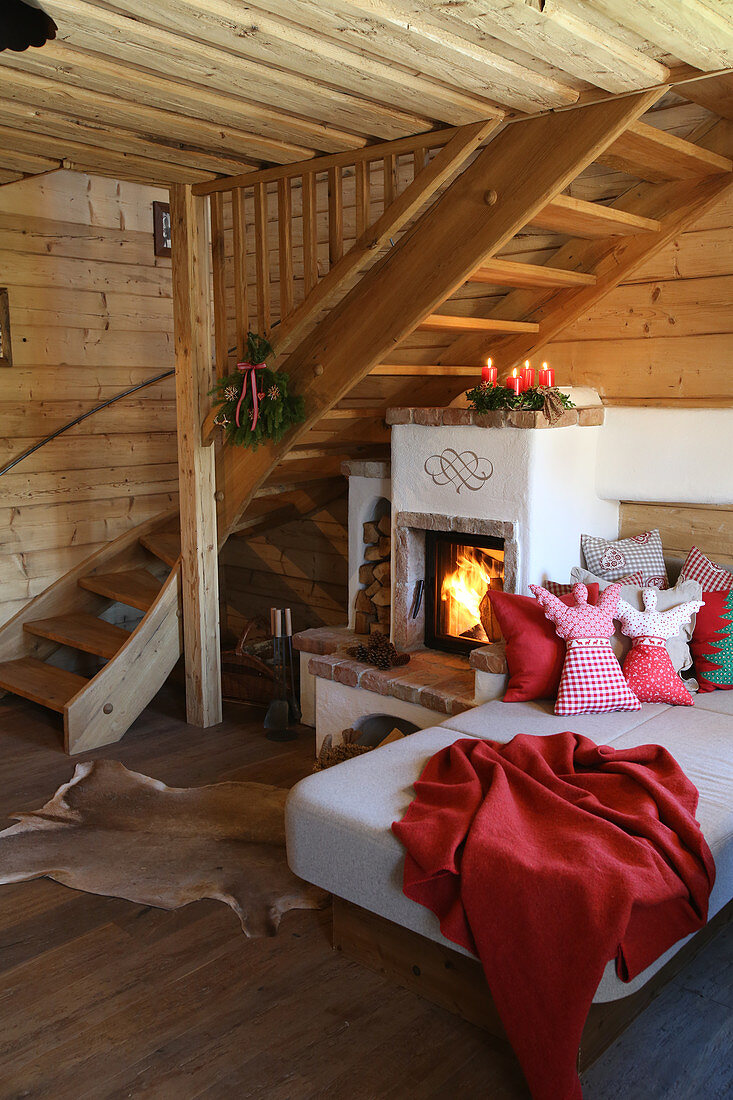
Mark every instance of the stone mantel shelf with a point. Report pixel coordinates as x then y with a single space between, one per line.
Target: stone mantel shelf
589 417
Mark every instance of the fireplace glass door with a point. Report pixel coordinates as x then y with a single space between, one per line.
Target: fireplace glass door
459 571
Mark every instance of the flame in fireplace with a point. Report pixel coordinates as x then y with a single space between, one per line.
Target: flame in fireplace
463 590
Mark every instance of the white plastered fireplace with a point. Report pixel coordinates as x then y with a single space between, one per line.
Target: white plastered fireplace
541 487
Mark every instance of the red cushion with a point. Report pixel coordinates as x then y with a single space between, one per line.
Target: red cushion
712 642
534 653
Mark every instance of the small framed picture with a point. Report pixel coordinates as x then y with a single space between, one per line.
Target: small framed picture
6 348
162 228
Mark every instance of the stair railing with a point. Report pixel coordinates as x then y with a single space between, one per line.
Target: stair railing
83 416
278 232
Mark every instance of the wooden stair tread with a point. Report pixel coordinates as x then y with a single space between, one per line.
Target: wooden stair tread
654 155
441 322
166 545
41 683
81 631
133 587
578 218
510 273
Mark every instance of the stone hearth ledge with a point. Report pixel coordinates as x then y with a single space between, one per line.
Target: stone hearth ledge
590 417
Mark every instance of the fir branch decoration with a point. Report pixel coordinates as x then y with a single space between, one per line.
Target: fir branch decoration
259 397
484 398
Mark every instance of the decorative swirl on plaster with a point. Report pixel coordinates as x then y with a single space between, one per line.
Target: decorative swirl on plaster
464 470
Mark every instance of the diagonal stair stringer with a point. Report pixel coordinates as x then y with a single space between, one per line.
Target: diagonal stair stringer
510 181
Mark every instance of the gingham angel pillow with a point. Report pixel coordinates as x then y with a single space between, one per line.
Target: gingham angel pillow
700 568
638 554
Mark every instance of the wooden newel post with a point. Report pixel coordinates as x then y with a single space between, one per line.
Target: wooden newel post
196 471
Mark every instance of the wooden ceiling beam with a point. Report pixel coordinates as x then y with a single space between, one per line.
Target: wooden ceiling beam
100 30
90 158
27 163
151 122
558 35
128 83
255 35
8 176
697 32
428 264
404 35
58 126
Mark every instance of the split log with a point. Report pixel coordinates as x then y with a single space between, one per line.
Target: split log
373 553
382 598
363 602
382 572
375 587
363 623
385 546
384 615
367 573
385 525
371 533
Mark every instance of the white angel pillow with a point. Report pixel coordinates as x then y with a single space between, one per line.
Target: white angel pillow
678 647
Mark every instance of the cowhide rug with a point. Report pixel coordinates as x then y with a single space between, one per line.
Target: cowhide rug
116 832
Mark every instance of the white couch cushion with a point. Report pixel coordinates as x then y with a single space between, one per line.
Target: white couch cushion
338 821
719 701
497 721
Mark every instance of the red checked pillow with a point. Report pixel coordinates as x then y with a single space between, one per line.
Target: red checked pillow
700 568
591 680
534 653
712 642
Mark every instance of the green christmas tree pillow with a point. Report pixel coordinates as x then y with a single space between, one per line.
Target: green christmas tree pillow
712 642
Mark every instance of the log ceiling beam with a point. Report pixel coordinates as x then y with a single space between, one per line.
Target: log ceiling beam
522 170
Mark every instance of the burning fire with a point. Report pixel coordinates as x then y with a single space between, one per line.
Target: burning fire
463 590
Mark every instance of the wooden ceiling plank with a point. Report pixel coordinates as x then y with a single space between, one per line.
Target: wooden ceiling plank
428 264
92 72
59 126
401 34
715 93
76 155
418 370
27 163
8 176
687 29
510 273
254 35
578 218
147 120
651 154
556 35
105 32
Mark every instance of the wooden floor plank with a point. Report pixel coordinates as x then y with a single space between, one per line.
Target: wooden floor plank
102 999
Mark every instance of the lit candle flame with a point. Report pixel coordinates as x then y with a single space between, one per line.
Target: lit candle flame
488 362
514 373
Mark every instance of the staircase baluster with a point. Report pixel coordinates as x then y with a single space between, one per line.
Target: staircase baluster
285 244
335 216
241 298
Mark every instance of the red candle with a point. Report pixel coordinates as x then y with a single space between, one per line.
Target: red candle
489 374
514 382
547 376
528 375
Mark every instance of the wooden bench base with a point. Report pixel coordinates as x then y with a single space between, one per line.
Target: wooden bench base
457 982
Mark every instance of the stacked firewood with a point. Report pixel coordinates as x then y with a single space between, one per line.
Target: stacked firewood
373 601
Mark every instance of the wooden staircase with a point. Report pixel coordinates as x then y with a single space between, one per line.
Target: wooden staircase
353 326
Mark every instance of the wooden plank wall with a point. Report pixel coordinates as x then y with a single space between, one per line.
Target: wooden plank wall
710 527
91 314
301 564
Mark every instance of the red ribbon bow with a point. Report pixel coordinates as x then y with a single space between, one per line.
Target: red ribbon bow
252 368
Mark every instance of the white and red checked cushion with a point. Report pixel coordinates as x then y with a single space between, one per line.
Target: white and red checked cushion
698 567
591 681
558 589
638 554
648 669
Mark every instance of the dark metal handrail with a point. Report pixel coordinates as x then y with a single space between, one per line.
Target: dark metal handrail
84 416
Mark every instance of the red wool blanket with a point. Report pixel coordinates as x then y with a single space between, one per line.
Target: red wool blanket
547 857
